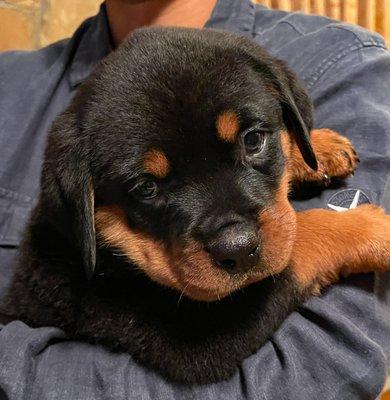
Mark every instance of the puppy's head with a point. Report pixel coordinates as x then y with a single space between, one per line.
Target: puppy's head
172 156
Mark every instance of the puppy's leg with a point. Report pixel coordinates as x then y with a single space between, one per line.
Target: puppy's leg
335 155
329 243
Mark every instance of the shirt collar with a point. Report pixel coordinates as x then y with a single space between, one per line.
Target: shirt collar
233 15
95 42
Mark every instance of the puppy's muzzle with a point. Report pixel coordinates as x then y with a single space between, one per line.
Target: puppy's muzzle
235 248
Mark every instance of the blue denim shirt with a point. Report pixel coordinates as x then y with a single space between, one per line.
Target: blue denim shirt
336 346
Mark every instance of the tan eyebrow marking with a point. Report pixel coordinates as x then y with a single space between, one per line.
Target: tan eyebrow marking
228 126
156 163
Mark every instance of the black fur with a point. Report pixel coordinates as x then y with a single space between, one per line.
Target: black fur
164 88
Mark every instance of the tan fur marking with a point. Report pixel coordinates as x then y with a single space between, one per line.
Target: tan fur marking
277 231
329 243
156 163
186 268
321 244
286 144
335 155
147 253
228 126
203 280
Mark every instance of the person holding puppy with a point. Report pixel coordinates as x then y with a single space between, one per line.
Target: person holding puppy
335 346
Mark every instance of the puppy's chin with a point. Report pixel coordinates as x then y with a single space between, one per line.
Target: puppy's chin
227 285
187 268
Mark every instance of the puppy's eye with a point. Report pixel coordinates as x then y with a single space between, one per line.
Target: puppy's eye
254 141
147 189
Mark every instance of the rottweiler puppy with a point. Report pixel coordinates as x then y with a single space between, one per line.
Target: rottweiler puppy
163 226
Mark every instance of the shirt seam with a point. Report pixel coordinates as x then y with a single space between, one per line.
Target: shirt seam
292 26
328 62
257 31
372 40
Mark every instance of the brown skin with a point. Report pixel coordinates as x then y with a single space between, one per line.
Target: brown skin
124 16
310 241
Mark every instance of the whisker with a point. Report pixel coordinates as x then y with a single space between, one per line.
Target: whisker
182 292
119 254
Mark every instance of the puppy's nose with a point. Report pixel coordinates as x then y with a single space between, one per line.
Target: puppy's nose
236 248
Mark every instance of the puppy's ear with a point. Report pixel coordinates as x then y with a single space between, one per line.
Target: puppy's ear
297 111
67 188
295 102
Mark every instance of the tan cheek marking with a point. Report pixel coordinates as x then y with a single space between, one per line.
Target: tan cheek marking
287 147
156 163
228 126
286 144
148 254
278 230
187 269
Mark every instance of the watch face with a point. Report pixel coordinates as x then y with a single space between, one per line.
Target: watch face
348 199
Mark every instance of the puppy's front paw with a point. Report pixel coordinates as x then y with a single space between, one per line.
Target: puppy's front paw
335 154
336 158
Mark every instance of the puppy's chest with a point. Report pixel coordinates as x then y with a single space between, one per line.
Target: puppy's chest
185 341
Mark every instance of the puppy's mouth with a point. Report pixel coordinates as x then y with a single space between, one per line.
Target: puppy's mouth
201 277
188 267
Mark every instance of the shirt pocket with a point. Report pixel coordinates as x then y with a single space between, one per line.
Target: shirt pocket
14 213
